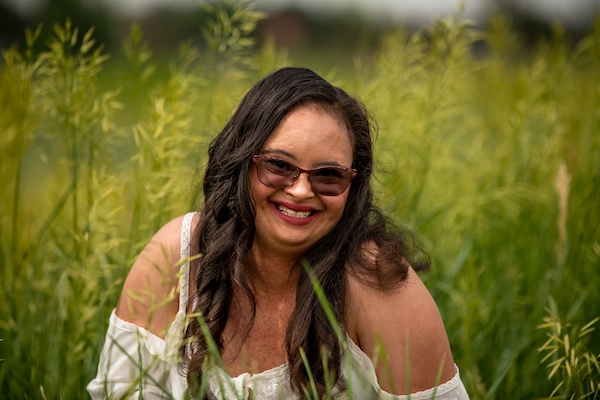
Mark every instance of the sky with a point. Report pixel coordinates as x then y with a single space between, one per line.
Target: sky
570 12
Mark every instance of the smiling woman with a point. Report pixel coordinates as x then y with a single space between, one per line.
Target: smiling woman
288 184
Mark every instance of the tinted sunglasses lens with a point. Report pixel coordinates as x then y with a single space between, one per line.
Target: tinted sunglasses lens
276 173
330 181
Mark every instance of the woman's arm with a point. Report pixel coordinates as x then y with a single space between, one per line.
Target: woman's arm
406 324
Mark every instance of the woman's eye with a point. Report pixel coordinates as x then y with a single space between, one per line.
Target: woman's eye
328 173
279 165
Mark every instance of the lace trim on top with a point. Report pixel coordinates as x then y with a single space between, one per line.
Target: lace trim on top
184 252
269 384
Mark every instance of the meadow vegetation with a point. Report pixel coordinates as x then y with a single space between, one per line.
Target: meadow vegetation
491 157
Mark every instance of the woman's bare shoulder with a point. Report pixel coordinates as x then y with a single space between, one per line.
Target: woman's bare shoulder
150 296
405 323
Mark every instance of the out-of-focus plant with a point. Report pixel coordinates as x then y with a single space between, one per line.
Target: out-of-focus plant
19 115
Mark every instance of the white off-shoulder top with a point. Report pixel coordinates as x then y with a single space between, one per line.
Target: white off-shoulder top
135 363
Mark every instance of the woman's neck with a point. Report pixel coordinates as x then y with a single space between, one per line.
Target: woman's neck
274 274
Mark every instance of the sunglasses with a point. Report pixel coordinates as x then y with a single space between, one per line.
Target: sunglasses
279 174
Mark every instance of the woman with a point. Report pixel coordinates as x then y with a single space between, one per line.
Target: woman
287 194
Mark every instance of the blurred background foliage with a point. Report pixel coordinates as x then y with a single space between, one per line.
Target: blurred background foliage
325 30
488 148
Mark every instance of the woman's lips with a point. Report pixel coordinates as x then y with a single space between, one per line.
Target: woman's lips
295 214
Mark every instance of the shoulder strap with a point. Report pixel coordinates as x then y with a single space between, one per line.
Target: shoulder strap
184 285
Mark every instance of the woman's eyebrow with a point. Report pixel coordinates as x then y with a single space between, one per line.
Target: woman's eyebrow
280 152
330 164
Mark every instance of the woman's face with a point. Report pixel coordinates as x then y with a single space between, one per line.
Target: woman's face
292 219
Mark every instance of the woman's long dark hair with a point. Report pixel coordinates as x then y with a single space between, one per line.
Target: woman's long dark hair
226 229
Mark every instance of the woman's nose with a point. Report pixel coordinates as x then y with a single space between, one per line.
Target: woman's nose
301 188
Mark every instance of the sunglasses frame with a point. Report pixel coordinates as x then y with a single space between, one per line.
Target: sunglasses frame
260 157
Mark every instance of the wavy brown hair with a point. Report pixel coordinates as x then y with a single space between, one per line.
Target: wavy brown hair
226 229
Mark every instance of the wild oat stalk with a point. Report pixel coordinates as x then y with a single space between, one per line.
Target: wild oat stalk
571 365
228 36
79 114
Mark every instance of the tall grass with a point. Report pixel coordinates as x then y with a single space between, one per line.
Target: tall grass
493 158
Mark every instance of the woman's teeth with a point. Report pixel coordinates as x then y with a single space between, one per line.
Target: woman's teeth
292 213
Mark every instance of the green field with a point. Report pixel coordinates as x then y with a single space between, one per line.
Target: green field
492 157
